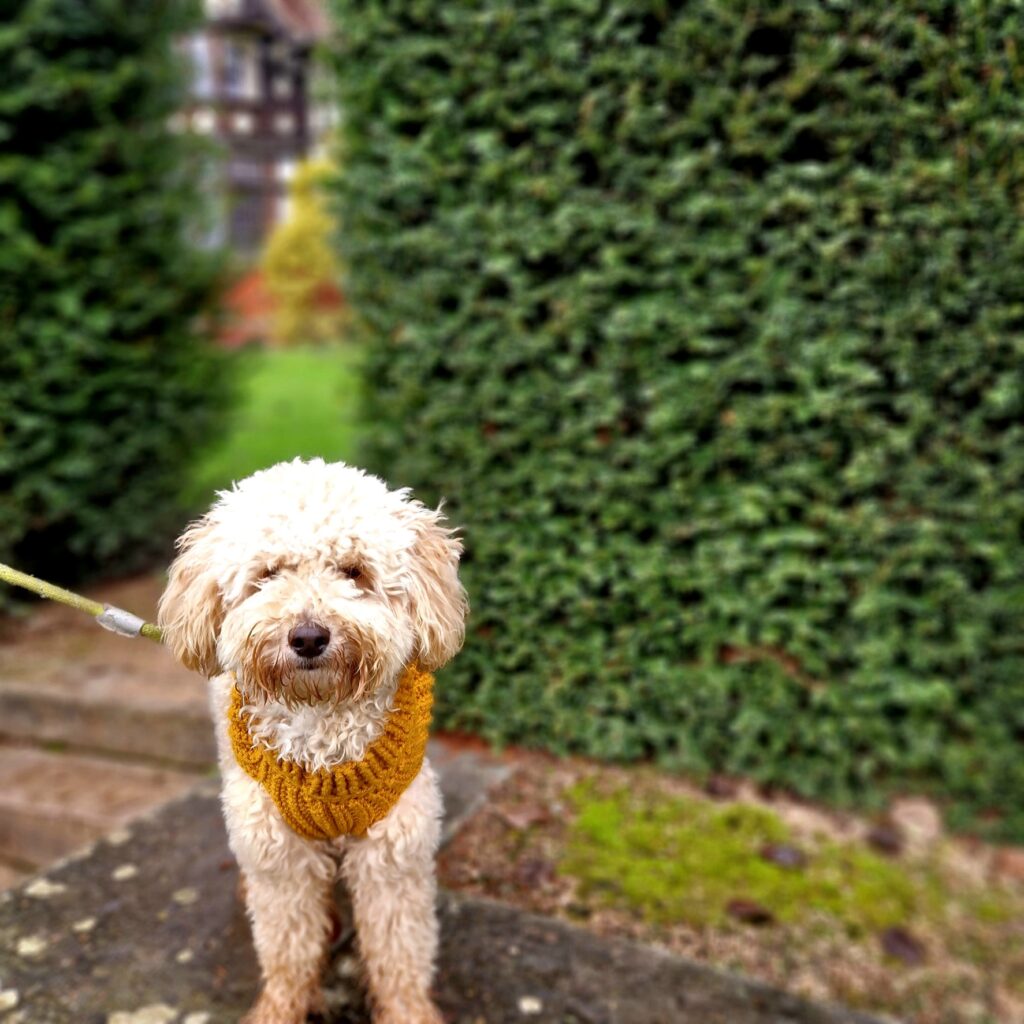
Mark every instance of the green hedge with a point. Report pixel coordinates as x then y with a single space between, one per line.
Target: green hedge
708 319
106 383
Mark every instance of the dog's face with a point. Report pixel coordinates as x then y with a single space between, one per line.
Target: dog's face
314 582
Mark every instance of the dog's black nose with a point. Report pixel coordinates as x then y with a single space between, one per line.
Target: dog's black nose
309 639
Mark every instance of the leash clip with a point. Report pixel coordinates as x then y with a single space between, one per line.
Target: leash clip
117 620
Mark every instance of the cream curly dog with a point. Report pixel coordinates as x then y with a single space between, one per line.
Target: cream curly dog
308 594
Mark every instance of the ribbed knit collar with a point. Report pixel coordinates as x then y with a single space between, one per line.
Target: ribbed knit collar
352 796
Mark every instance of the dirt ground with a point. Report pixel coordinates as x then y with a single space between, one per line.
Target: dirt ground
889 915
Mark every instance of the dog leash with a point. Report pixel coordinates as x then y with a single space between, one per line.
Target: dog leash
109 616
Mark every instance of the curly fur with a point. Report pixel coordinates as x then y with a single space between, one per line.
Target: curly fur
325 543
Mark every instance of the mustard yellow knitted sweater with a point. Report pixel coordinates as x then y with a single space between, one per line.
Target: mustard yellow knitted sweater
349 798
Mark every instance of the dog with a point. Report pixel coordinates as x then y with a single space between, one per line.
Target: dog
307 594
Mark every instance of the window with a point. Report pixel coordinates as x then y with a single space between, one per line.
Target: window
202 70
239 71
248 219
246 172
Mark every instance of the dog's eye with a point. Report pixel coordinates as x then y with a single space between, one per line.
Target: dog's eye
353 572
267 574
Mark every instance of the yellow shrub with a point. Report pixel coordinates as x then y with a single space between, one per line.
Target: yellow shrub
298 263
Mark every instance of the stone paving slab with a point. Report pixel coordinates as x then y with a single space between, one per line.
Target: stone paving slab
53 803
149 926
466 775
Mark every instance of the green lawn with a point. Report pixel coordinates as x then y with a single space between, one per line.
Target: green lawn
301 401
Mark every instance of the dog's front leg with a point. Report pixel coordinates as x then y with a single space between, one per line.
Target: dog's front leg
291 926
391 877
287 884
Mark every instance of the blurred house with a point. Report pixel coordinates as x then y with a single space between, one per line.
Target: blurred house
253 90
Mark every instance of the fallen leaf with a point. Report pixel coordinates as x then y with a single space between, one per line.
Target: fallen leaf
749 912
578 911
1010 863
523 817
886 839
533 872
721 788
783 855
901 945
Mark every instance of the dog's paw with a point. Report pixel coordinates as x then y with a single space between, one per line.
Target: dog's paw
271 1008
422 1013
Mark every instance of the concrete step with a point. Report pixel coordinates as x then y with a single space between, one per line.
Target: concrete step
52 804
109 713
65 680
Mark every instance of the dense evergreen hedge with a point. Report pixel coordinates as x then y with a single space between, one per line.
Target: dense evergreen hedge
106 384
708 319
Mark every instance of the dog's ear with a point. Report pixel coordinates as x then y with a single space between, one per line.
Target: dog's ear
190 610
439 604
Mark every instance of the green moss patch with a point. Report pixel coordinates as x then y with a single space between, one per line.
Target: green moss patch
675 859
